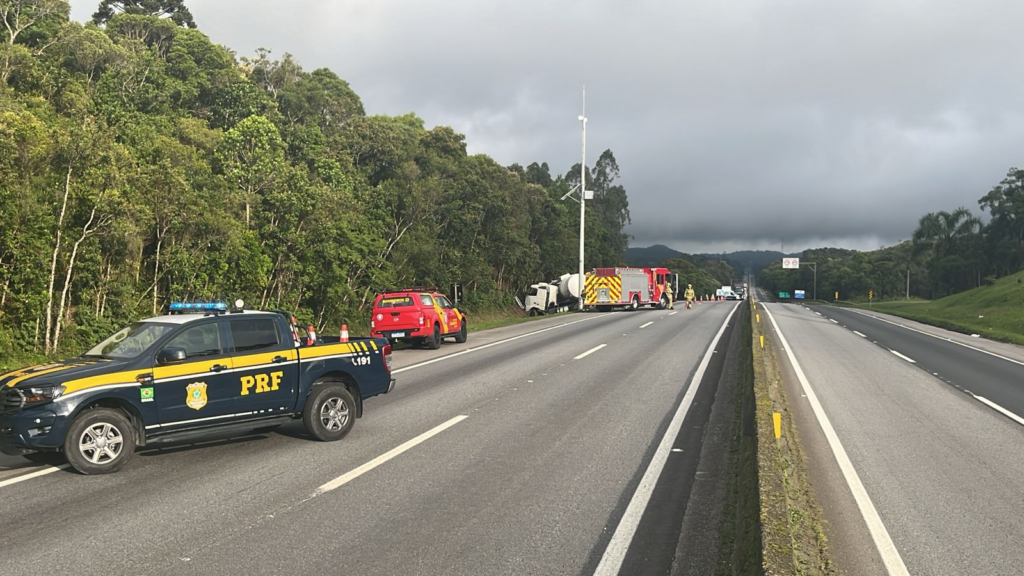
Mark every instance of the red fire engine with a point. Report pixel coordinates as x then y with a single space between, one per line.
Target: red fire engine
608 288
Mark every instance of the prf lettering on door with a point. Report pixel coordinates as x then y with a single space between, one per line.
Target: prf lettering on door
262 382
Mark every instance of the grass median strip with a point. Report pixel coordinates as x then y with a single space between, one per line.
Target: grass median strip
792 538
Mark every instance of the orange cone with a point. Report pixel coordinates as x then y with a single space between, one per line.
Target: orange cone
344 333
311 332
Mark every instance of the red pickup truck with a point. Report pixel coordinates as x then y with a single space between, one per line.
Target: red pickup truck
417 316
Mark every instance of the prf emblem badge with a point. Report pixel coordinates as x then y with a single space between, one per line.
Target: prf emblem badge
196 395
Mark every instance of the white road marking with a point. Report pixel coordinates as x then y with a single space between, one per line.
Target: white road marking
499 342
859 334
943 338
908 359
883 541
353 474
1002 410
646 325
673 313
589 352
615 553
818 313
36 474
833 321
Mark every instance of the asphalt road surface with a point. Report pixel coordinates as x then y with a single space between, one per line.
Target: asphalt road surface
915 472
534 449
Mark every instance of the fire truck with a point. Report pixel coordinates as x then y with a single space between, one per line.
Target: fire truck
609 288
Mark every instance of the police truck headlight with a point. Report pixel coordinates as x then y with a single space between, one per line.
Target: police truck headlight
42 393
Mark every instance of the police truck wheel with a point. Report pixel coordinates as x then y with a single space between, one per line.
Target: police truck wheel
434 342
463 334
99 441
330 412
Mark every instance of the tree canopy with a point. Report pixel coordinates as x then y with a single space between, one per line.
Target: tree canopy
175 10
141 163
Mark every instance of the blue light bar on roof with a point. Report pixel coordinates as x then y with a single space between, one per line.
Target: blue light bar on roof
198 306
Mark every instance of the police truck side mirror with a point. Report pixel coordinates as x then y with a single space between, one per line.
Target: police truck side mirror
171 356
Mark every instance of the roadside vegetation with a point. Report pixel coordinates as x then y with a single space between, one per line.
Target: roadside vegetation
793 540
141 163
949 252
995 311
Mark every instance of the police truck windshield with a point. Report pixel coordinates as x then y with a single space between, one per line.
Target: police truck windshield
129 342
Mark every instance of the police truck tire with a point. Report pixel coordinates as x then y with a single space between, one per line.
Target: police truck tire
99 441
434 342
463 334
330 412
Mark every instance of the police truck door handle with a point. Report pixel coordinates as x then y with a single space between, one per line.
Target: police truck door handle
278 359
217 367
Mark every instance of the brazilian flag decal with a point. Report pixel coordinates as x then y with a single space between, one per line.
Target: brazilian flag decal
147 394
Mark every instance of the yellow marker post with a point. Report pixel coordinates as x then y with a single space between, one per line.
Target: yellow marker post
778 424
758 318
762 341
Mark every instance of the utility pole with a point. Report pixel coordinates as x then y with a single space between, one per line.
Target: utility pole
908 282
814 266
583 193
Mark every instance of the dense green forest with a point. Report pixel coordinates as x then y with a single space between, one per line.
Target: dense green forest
140 163
949 252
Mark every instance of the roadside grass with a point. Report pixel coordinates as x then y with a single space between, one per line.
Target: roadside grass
793 539
995 312
10 362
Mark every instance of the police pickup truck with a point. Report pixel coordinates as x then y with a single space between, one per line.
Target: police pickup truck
202 367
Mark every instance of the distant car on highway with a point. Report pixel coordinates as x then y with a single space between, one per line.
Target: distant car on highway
203 366
419 316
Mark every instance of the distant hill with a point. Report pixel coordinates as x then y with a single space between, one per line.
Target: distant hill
651 256
655 255
753 259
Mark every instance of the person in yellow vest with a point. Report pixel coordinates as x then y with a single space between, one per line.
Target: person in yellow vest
688 295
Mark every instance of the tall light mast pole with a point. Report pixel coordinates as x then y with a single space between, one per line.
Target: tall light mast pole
583 194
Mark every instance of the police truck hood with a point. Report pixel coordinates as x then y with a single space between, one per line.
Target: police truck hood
60 371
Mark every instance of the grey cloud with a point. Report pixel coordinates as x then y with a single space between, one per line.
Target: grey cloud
734 123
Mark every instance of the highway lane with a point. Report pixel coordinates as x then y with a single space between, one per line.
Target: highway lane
539 459
941 469
997 377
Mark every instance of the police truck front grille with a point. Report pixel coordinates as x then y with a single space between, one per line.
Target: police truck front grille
13 400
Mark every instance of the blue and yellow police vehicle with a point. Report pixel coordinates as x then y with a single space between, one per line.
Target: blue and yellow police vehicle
204 366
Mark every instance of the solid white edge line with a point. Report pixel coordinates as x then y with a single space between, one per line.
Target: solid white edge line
646 325
36 474
357 472
1000 409
883 541
615 552
908 359
859 334
937 337
589 352
499 342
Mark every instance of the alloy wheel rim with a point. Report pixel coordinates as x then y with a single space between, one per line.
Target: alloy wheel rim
334 414
101 443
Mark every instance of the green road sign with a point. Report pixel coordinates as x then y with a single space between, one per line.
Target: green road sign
783 294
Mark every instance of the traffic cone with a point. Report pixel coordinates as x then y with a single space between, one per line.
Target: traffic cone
312 335
344 333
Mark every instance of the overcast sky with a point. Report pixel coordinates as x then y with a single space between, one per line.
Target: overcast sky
735 123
